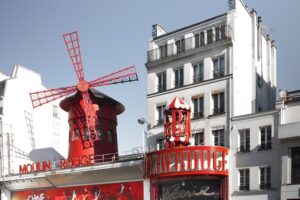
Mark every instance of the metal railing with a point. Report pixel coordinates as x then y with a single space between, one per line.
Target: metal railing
178 83
197 78
243 149
218 73
264 186
244 187
84 161
218 111
198 115
265 146
189 44
161 87
160 122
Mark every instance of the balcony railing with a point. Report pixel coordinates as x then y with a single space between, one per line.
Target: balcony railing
191 160
161 87
217 73
160 122
189 44
178 83
263 186
198 115
265 146
218 111
244 187
198 78
243 149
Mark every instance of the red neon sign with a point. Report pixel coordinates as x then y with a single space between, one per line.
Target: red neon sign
192 160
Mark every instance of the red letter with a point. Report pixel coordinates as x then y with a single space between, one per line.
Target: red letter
46 165
23 169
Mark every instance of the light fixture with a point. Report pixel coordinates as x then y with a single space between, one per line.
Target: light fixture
143 121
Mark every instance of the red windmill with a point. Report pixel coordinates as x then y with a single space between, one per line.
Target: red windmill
84 107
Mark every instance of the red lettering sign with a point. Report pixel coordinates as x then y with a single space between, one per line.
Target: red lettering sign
62 164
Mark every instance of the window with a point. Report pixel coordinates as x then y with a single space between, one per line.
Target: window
86 134
265 138
179 77
198 138
76 134
244 140
244 179
265 178
21 154
295 165
56 128
159 144
29 123
220 32
218 103
55 112
209 36
218 137
219 67
160 114
199 39
198 107
198 73
180 45
161 82
163 51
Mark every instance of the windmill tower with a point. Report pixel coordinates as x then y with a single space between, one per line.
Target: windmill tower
92 115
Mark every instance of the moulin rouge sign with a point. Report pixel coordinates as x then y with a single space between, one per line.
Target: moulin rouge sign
44 166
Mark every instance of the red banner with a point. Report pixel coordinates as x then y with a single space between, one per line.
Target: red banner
116 191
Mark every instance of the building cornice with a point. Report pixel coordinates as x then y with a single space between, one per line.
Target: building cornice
211 47
254 115
185 87
190 26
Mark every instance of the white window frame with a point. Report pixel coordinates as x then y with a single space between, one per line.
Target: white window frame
220 134
160 114
265 180
198 136
265 144
244 179
161 77
243 143
180 77
218 109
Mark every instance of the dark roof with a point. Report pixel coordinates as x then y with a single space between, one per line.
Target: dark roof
65 103
198 23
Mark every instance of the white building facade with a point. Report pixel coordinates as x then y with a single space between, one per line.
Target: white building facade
289 135
26 132
225 69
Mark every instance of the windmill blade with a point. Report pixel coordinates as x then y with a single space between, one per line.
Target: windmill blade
125 75
43 97
73 47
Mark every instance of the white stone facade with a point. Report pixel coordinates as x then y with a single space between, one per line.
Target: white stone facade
228 67
24 129
289 135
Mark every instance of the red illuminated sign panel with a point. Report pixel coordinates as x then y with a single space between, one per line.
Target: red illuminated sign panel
116 191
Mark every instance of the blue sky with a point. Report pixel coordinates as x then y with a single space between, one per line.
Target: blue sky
115 34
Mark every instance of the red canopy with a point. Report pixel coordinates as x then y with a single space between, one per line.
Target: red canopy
178 103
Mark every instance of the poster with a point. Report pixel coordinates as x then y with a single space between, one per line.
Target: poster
116 191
